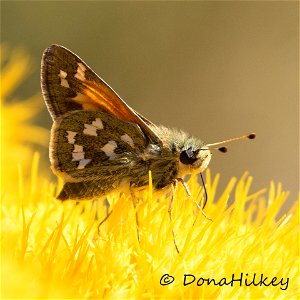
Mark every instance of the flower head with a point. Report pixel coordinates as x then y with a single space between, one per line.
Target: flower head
52 249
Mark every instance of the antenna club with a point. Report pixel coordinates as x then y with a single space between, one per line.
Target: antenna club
251 136
223 149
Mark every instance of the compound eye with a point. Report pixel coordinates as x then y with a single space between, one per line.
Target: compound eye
188 157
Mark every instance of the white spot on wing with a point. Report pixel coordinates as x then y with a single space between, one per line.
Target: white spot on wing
98 123
109 148
63 81
92 129
77 156
80 72
78 148
83 163
62 74
81 98
70 137
85 101
127 139
77 153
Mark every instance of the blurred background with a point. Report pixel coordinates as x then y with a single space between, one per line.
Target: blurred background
215 69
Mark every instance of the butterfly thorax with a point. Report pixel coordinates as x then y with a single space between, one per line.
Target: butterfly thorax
179 155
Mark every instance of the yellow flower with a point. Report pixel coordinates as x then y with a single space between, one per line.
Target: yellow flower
55 250
17 129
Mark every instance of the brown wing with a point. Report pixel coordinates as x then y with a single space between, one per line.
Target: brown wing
69 84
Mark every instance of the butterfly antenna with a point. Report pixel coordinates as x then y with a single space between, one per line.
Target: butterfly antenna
250 136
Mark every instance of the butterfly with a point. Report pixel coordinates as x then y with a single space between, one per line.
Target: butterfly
99 144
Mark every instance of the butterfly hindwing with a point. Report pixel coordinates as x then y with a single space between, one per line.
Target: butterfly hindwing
88 144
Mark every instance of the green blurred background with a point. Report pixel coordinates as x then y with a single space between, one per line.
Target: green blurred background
214 69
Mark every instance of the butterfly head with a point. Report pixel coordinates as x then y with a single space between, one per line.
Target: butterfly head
192 154
193 160
194 157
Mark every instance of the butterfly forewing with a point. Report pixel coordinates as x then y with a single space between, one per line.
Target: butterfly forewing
68 84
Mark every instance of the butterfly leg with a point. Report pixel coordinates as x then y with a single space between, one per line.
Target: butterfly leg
189 194
203 213
184 185
108 213
174 186
107 205
205 201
